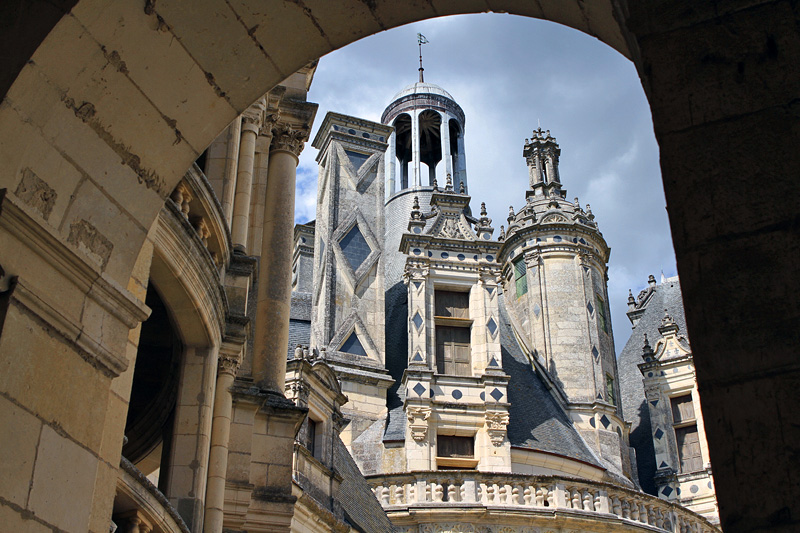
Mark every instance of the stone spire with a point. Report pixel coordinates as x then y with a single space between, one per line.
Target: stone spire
541 153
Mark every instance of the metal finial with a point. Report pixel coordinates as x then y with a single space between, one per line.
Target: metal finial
420 41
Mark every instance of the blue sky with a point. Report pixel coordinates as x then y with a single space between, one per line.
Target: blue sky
510 74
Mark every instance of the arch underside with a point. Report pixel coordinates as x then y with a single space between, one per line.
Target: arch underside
116 102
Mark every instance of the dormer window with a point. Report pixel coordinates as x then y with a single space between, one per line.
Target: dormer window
686 436
453 327
455 453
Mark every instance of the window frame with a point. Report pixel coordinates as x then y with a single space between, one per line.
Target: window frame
452 323
682 426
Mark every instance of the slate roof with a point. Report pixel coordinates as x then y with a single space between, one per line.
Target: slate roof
666 295
536 421
299 321
361 509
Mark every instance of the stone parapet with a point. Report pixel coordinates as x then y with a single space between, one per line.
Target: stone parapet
420 497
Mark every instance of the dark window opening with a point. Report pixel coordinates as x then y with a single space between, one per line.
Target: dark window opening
451 304
430 141
311 437
610 396
520 279
455 447
353 345
453 328
403 149
453 351
601 314
355 247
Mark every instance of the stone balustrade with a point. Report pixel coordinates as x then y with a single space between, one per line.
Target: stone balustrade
537 494
196 201
139 507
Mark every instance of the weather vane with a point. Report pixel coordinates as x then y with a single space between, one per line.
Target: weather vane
420 41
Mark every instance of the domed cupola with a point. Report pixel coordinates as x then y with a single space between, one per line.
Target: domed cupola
428 138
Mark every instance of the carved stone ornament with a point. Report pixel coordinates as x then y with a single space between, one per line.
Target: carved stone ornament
251 119
288 139
551 218
496 423
270 119
228 365
533 258
416 271
418 421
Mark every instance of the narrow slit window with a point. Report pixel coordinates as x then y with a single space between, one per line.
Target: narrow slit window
520 279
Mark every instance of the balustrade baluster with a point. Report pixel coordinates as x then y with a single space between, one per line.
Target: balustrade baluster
588 500
576 499
526 496
384 496
515 495
438 492
635 511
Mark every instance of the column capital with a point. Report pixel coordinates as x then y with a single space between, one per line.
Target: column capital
289 138
271 118
228 364
251 119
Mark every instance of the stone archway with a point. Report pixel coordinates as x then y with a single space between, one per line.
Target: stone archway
104 116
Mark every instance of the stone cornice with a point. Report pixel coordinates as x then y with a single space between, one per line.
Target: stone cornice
78 269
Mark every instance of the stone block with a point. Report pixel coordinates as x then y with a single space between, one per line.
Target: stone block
14 521
212 36
711 71
125 47
18 451
63 482
30 355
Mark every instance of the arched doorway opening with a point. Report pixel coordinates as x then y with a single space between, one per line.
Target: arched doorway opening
708 148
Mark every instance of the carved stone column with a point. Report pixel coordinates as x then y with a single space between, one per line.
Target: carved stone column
260 172
251 121
220 435
275 267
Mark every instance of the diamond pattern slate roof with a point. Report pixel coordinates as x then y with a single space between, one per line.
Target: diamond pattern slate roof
666 295
536 420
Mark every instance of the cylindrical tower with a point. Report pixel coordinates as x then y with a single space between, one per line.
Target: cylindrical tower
427 143
554 269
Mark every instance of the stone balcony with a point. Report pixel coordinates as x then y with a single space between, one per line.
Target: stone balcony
521 501
139 507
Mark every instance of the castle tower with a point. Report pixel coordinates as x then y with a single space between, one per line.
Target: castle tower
554 269
348 297
456 400
426 145
428 138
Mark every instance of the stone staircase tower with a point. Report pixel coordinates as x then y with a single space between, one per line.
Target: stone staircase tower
555 273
